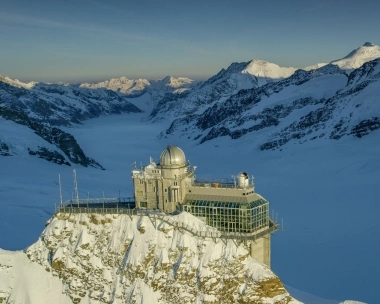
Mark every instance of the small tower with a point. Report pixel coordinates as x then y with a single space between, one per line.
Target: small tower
163 186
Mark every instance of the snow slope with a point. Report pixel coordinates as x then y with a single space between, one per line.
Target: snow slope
22 281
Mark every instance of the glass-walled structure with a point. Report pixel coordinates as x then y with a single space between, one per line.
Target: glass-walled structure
230 214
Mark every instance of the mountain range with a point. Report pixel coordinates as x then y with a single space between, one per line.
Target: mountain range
277 104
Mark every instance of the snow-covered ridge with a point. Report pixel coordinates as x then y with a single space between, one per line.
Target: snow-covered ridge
314 66
122 84
116 259
17 83
137 87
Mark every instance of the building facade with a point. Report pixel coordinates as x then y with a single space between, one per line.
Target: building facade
233 208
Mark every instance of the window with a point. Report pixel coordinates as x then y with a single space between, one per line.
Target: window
166 190
143 204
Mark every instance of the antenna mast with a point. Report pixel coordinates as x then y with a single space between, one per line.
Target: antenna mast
60 189
76 186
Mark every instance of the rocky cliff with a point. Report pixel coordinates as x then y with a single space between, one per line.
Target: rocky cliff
118 259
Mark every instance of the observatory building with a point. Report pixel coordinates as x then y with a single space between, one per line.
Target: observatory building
234 208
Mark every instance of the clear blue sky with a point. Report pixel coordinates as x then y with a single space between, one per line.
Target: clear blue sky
90 40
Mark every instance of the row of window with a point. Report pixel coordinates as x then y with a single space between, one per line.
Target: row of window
233 219
224 205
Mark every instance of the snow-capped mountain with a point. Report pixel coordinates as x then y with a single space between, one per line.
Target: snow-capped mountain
308 105
261 110
17 83
32 114
137 87
367 52
131 87
144 93
237 76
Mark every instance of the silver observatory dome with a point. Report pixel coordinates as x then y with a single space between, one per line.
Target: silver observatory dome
172 156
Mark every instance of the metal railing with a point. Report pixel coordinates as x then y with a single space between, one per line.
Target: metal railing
105 200
219 185
71 207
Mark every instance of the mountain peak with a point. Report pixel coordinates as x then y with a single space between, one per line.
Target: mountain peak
367 52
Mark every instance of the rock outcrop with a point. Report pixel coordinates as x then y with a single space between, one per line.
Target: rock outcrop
118 259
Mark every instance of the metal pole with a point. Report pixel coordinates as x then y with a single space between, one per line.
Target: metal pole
76 186
60 189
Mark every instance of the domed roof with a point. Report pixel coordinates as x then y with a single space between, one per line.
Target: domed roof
172 156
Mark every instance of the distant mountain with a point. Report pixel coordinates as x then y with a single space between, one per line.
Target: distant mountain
131 87
237 76
39 109
145 94
314 66
17 83
322 103
137 87
367 52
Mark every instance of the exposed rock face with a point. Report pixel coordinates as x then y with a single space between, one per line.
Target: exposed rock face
322 103
45 107
4 149
238 76
64 141
116 259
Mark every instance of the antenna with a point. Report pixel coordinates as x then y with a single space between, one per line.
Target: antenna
60 189
76 186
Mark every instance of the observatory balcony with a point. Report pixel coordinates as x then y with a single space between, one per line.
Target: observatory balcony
221 185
